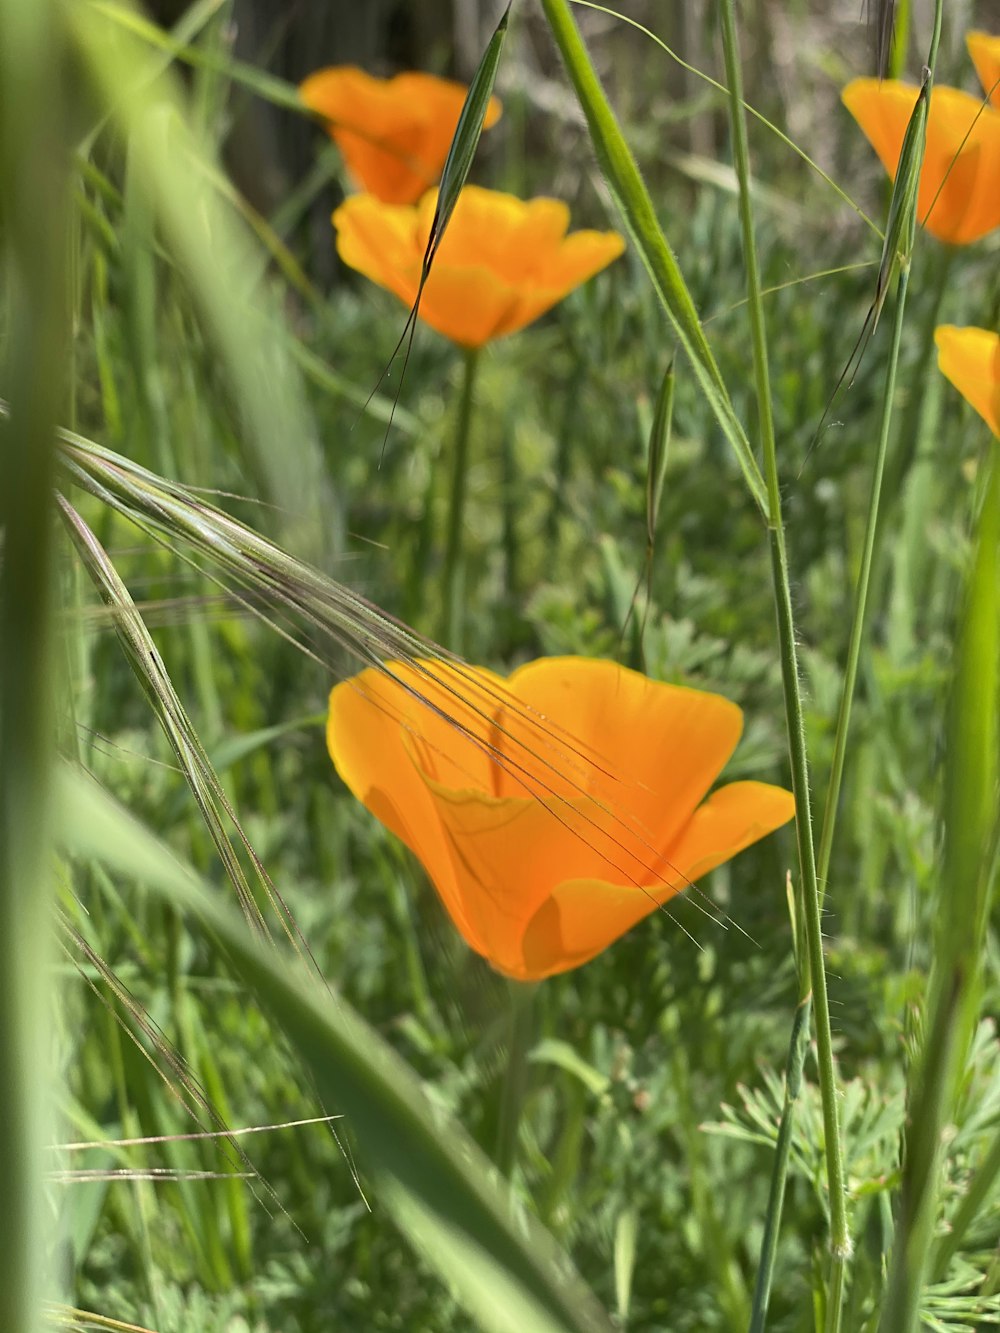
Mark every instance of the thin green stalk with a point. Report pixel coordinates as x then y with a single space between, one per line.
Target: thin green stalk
840 1241
861 593
454 558
515 1076
797 1047
33 237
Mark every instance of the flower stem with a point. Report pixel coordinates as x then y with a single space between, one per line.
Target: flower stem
454 557
34 159
809 885
520 1036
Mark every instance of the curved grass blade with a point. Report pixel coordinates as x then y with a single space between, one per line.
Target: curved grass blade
639 216
209 793
439 1187
455 173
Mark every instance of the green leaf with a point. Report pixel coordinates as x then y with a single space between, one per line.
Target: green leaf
433 1181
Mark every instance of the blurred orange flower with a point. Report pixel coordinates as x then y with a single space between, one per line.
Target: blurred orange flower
958 199
394 133
502 261
985 53
566 805
970 358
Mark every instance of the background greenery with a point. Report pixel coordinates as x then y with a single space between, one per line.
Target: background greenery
647 1132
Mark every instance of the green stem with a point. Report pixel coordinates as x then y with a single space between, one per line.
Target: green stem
520 1037
33 157
840 1240
508 464
861 593
454 557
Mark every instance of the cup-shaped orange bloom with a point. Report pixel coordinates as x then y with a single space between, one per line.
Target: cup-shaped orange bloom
970 358
958 198
394 133
556 808
502 261
985 53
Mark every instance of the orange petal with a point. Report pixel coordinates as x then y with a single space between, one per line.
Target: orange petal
507 854
632 744
985 52
502 261
582 917
379 240
471 306
383 741
394 133
970 358
957 199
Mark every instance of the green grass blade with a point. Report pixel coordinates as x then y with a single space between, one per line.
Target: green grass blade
972 768
438 1186
458 163
33 248
809 888
221 268
639 217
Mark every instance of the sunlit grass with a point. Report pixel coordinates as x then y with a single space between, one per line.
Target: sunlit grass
204 523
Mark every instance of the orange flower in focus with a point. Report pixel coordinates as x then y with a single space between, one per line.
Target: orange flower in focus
985 53
394 133
958 198
970 358
502 262
566 805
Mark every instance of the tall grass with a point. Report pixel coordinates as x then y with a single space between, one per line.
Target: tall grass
203 522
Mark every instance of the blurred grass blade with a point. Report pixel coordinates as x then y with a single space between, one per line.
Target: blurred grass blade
177 45
208 792
659 452
34 81
657 456
639 216
972 768
506 1269
220 264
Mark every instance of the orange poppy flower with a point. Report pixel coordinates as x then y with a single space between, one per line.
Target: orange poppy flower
569 802
970 358
958 198
985 53
394 133
502 261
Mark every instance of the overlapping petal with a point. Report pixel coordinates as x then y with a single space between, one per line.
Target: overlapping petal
501 264
394 133
567 803
985 52
970 358
958 198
